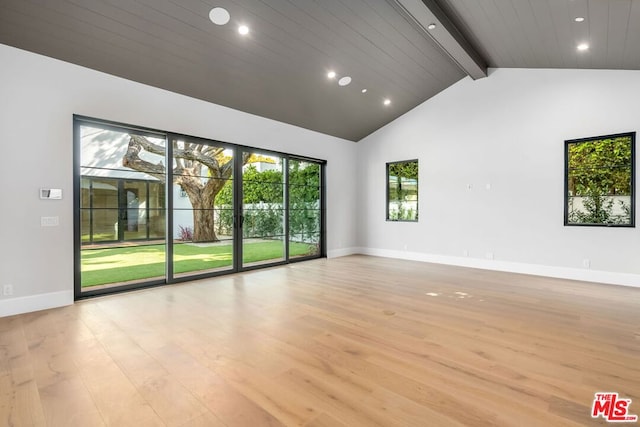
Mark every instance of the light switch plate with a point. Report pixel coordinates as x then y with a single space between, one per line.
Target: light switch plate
51 193
49 221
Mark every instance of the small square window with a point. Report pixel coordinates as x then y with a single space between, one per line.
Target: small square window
402 191
599 181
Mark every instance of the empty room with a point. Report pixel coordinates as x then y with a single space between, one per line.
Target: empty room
319 213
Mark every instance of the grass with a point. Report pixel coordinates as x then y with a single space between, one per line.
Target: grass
122 264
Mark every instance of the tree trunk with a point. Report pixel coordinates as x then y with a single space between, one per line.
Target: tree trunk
202 200
203 224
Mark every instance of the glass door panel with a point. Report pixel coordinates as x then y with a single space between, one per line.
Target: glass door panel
117 168
262 211
203 227
304 209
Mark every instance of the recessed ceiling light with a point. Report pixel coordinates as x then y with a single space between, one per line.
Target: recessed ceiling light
579 19
386 101
243 29
331 74
583 46
344 81
431 26
219 15
364 91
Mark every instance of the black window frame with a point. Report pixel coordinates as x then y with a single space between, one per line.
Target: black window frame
170 278
387 210
567 196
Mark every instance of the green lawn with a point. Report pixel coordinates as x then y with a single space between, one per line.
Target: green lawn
122 264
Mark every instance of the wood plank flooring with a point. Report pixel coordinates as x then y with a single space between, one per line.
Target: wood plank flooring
353 341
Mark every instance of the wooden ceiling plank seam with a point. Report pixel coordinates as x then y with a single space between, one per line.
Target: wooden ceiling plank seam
95 55
382 68
531 29
365 74
119 28
314 41
546 32
503 42
580 31
161 30
455 43
334 51
522 42
598 33
479 28
446 35
496 20
92 47
155 53
389 42
75 37
261 48
632 49
417 47
562 22
458 14
432 56
489 28
618 26
384 60
397 58
263 52
131 34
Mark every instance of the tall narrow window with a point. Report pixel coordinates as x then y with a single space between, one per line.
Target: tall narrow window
599 181
402 191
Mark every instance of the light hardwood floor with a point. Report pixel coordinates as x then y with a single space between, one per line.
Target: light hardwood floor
354 341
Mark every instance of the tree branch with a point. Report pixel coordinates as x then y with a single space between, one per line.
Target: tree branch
132 158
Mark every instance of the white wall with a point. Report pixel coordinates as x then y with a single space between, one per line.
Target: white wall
38 97
507 130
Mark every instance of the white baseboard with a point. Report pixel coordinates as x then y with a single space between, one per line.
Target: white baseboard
335 253
12 306
598 276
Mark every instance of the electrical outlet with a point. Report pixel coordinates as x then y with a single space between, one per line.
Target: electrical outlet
489 255
7 290
586 263
465 252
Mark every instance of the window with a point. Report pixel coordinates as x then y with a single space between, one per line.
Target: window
218 208
402 191
599 181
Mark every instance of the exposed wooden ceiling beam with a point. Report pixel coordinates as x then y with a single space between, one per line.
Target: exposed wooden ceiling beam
446 35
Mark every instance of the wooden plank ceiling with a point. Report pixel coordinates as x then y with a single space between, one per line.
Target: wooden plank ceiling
279 69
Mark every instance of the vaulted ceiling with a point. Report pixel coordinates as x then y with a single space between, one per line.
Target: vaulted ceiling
405 51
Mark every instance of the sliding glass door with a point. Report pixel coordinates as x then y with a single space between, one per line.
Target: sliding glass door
203 211
155 207
121 214
263 210
304 208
